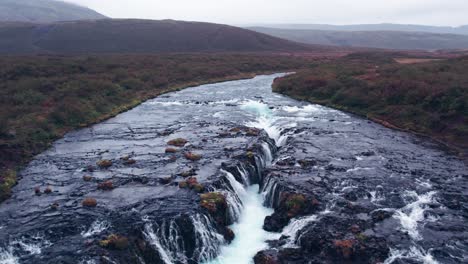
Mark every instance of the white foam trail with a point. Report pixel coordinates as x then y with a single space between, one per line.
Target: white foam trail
294 227
250 236
96 228
414 253
7 256
358 169
165 103
257 107
412 214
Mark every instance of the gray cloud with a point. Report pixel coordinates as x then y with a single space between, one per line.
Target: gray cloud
429 12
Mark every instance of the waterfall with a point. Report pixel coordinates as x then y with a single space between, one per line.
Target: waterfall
168 240
207 241
294 227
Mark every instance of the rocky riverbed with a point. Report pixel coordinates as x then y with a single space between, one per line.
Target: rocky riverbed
166 181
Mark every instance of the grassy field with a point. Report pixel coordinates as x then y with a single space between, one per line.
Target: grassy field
429 98
44 97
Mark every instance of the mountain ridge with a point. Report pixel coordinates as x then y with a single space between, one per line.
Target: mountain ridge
44 11
137 36
463 29
402 40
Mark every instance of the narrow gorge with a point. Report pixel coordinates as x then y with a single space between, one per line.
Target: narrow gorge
234 173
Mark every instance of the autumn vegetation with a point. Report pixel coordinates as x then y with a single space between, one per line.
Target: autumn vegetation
429 98
43 97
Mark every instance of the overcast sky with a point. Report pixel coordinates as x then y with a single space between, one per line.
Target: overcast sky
428 12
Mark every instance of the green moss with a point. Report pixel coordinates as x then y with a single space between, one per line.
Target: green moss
211 201
115 242
7 181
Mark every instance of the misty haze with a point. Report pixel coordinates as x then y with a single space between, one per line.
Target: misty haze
233 132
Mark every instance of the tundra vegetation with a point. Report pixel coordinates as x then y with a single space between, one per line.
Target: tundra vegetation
429 98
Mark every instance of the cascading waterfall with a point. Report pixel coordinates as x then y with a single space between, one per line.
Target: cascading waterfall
167 239
250 236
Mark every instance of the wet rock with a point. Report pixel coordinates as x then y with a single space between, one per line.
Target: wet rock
266 257
332 167
367 153
228 234
87 178
54 206
170 150
89 202
178 142
380 215
48 190
188 173
165 180
275 222
129 162
353 194
104 163
307 163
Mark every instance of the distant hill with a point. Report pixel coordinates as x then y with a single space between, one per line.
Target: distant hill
463 30
137 36
44 11
374 39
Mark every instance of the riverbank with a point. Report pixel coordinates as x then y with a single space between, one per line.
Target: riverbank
428 99
44 97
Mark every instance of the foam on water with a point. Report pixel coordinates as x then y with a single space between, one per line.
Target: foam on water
96 228
7 256
413 213
415 253
250 236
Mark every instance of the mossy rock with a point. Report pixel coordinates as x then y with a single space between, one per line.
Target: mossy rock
295 204
212 201
104 163
192 156
178 142
170 150
106 186
89 202
115 242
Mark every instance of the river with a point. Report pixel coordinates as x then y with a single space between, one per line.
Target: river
370 194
